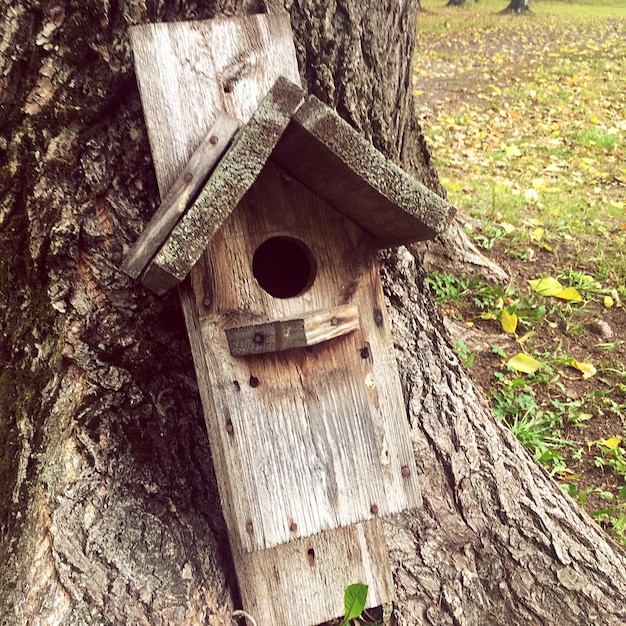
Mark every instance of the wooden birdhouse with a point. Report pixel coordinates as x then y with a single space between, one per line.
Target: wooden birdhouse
272 216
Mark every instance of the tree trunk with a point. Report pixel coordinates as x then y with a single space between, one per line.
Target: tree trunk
517 6
109 512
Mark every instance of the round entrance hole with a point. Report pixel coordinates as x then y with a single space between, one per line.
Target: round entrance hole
284 267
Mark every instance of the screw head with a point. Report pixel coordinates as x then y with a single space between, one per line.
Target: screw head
406 472
213 140
374 509
293 527
259 338
187 177
249 527
334 321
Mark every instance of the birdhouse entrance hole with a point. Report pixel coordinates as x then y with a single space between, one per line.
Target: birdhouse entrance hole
285 267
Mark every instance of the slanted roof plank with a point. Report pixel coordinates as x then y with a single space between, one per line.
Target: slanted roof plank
232 177
181 194
326 154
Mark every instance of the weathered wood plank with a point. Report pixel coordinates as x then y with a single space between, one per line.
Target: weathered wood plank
330 157
267 579
233 176
316 436
295 333
320 568
190 71
182 194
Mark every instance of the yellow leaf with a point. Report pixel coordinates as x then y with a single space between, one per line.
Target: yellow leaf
537 234
611 443
508 321
525 337
524 363
512 151
569 293
546 286
615 297
608 302
586 368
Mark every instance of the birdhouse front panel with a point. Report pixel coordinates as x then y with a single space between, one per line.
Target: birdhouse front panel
296 368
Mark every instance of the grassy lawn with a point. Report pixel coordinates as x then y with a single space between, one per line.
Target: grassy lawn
526 120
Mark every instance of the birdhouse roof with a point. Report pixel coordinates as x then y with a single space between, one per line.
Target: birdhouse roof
311 143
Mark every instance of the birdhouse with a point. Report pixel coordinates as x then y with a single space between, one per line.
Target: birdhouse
271 229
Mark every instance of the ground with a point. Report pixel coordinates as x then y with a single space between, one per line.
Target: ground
526 120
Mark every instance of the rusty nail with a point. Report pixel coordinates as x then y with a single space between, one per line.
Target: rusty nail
374 509
406 472
293 527
187 177
213 139
254 381
249 527
334 321
259 338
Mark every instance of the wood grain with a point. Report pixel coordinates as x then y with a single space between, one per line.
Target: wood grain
330 157
271 581
294 333
233 176
317 436
182 194
190 71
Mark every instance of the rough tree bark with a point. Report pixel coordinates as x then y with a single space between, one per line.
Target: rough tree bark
108 506
517 6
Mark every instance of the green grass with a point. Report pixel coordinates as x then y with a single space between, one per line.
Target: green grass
526 120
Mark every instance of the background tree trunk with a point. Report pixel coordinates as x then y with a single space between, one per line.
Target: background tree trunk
517 6
108 506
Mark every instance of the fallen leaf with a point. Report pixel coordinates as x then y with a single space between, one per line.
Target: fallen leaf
611 443
531 195
524 363
586 368
537 235
569 293
546 286
508 321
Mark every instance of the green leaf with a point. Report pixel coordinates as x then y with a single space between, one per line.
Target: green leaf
524 363
354 599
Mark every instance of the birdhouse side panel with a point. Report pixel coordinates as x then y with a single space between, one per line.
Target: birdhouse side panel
310 438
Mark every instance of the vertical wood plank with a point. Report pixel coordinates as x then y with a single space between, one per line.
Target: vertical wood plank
317 436
187 72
